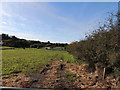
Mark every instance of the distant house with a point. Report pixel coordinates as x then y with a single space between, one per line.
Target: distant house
48 48
1 42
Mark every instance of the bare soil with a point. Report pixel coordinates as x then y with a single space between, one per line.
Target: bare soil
60 75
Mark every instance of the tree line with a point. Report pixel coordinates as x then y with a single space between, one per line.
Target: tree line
13 41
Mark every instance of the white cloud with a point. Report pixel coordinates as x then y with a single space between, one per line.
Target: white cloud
4 13
4 22
68 20
41 8
8 20
22 24
22 18
8 28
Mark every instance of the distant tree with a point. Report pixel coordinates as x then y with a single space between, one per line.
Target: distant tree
48 42
5 37
13 41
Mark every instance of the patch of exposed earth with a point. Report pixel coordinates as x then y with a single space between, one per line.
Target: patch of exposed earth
60 75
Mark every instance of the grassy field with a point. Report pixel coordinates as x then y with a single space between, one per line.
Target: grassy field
58 48
30 60
6 47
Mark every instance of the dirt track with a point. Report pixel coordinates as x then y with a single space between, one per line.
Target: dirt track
60 75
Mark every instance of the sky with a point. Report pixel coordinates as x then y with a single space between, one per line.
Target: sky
62 22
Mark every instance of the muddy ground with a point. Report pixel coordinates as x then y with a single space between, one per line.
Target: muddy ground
60 75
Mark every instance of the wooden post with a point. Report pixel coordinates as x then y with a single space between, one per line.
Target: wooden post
100 71
104 73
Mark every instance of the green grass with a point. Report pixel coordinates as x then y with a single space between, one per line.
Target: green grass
30 60
58 48
5 47
69 75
